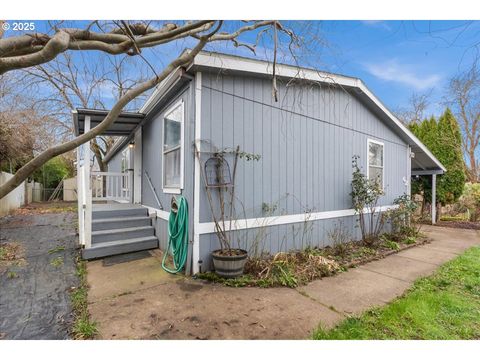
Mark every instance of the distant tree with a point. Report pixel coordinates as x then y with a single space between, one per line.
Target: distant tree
443 138
464 98
26 128
414 112
75 81
52 172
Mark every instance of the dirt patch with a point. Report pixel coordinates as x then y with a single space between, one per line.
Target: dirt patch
47 208
173 311
460 224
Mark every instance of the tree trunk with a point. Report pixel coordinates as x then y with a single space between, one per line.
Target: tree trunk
472 171
439 212
52 152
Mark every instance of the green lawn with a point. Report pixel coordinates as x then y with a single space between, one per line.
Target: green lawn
445 305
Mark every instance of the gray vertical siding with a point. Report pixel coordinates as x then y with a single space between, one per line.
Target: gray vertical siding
152 161
306 142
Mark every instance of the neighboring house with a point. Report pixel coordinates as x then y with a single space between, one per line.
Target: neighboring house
298 190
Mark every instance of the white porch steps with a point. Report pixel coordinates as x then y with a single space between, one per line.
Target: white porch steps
119 229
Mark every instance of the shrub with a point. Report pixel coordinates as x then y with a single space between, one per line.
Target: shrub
402 218
470 201
339 237
392 245
410 240
365 196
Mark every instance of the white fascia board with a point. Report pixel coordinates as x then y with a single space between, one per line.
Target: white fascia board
119 144
159 89
229 62
402 127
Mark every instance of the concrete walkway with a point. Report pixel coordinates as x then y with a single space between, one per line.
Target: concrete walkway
131 297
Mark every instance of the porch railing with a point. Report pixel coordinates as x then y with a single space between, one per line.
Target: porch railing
112 186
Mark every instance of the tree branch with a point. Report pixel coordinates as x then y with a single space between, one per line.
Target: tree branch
48 154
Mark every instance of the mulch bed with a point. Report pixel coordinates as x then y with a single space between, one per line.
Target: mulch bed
300 267
470 225
46 208
380 253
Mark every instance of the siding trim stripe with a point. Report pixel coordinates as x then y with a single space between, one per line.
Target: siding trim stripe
209 228
161 214
252 223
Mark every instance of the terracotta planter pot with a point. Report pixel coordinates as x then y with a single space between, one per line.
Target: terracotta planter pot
229 266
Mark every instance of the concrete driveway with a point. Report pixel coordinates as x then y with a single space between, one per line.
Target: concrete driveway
131 297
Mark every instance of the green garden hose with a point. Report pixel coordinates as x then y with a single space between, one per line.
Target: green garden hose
177 236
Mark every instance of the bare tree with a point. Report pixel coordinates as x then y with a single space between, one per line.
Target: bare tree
81 83
415 110
25 128
464 98
21 52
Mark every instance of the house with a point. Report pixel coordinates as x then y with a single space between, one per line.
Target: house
293 196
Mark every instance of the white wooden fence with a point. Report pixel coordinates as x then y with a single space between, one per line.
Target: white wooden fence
24 194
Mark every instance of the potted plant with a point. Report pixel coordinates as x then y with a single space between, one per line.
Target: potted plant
228 261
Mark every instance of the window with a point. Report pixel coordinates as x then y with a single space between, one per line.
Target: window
375 162
173 149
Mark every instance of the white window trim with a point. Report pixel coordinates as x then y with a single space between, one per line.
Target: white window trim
383 160
174 190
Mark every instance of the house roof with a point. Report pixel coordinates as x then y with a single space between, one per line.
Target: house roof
123 126
423 161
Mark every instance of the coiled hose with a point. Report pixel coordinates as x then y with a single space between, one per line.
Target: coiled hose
177 235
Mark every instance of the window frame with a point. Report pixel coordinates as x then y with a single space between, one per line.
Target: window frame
372 141
174 189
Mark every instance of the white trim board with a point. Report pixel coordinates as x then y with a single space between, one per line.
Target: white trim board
174 189
209 228
197 179
162 214
252 223
370 140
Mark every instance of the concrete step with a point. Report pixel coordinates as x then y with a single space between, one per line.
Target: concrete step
120 222
106 213
101 236
119 247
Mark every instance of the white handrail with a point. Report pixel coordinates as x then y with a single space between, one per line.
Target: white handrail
111 185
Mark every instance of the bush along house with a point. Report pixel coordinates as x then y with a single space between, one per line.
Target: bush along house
238 169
